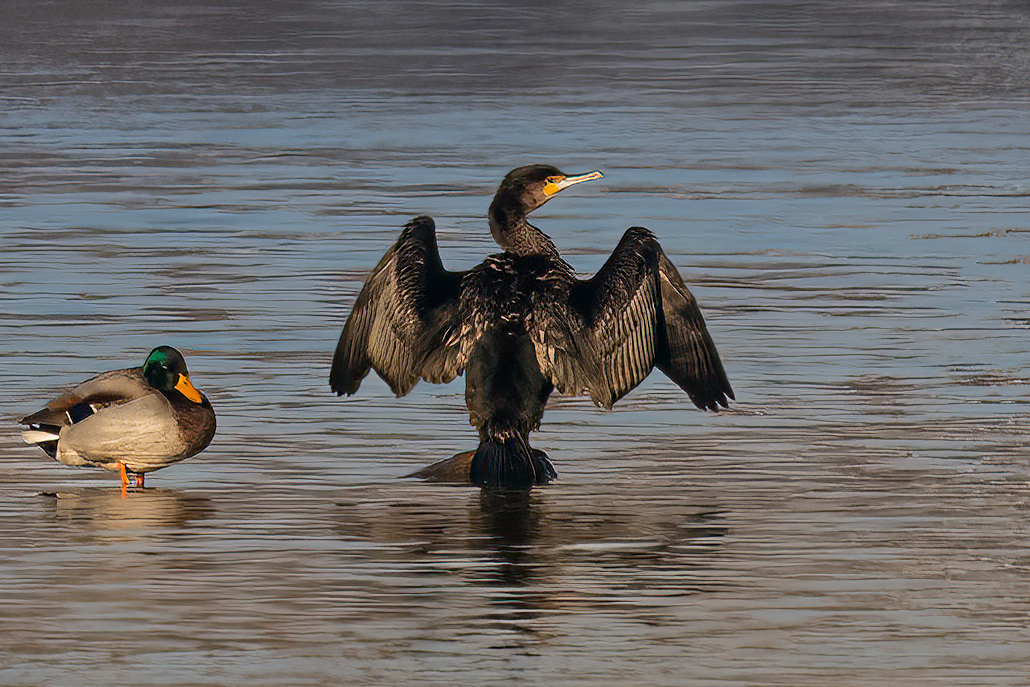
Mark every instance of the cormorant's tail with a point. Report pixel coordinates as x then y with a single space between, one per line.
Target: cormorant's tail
508 462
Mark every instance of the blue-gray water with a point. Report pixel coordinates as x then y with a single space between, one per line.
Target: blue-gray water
844 186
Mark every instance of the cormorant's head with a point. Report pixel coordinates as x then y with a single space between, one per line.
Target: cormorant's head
165 370
526 188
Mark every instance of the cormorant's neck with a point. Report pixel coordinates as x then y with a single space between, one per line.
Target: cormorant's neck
516 235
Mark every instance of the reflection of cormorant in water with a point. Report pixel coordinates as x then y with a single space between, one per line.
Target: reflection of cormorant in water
521 324
546 549
637 553
511 522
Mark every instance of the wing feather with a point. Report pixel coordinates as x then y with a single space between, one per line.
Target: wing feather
404 321
117 386
688 355
566 354
639 314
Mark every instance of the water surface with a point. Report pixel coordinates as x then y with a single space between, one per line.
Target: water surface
844 187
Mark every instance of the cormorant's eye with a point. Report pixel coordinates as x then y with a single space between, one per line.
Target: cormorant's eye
551 185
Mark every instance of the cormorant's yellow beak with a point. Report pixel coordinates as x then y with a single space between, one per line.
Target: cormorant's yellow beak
557 183
185 387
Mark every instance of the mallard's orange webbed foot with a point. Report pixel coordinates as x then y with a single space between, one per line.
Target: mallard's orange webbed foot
129 478
124 476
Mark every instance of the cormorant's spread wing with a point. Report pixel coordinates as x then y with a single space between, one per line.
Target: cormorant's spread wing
639 315
405 321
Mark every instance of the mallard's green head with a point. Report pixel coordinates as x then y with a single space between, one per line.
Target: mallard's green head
165 369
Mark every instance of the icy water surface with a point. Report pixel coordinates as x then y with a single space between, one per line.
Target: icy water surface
844 187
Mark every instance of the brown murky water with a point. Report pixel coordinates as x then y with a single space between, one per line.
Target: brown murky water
844 186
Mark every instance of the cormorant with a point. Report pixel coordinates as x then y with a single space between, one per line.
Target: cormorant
520 324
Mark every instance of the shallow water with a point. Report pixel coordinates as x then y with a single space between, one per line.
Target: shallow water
844 187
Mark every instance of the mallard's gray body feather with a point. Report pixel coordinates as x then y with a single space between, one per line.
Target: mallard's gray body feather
120 417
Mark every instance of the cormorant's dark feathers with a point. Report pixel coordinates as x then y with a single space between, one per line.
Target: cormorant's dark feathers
639 315
633 315
403 320
687 354
520 324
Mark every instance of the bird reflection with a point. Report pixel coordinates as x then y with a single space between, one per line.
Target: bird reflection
109 509
508 520
536 552
507 516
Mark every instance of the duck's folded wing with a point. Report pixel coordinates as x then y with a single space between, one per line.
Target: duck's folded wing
143 433
638 315
109 388
404 324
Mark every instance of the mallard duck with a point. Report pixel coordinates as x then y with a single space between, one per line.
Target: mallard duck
134 421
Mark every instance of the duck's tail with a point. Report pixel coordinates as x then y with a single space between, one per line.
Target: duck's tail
43 436
505 460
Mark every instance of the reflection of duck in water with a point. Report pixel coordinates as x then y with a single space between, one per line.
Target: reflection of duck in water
141 509
135 420
521 324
